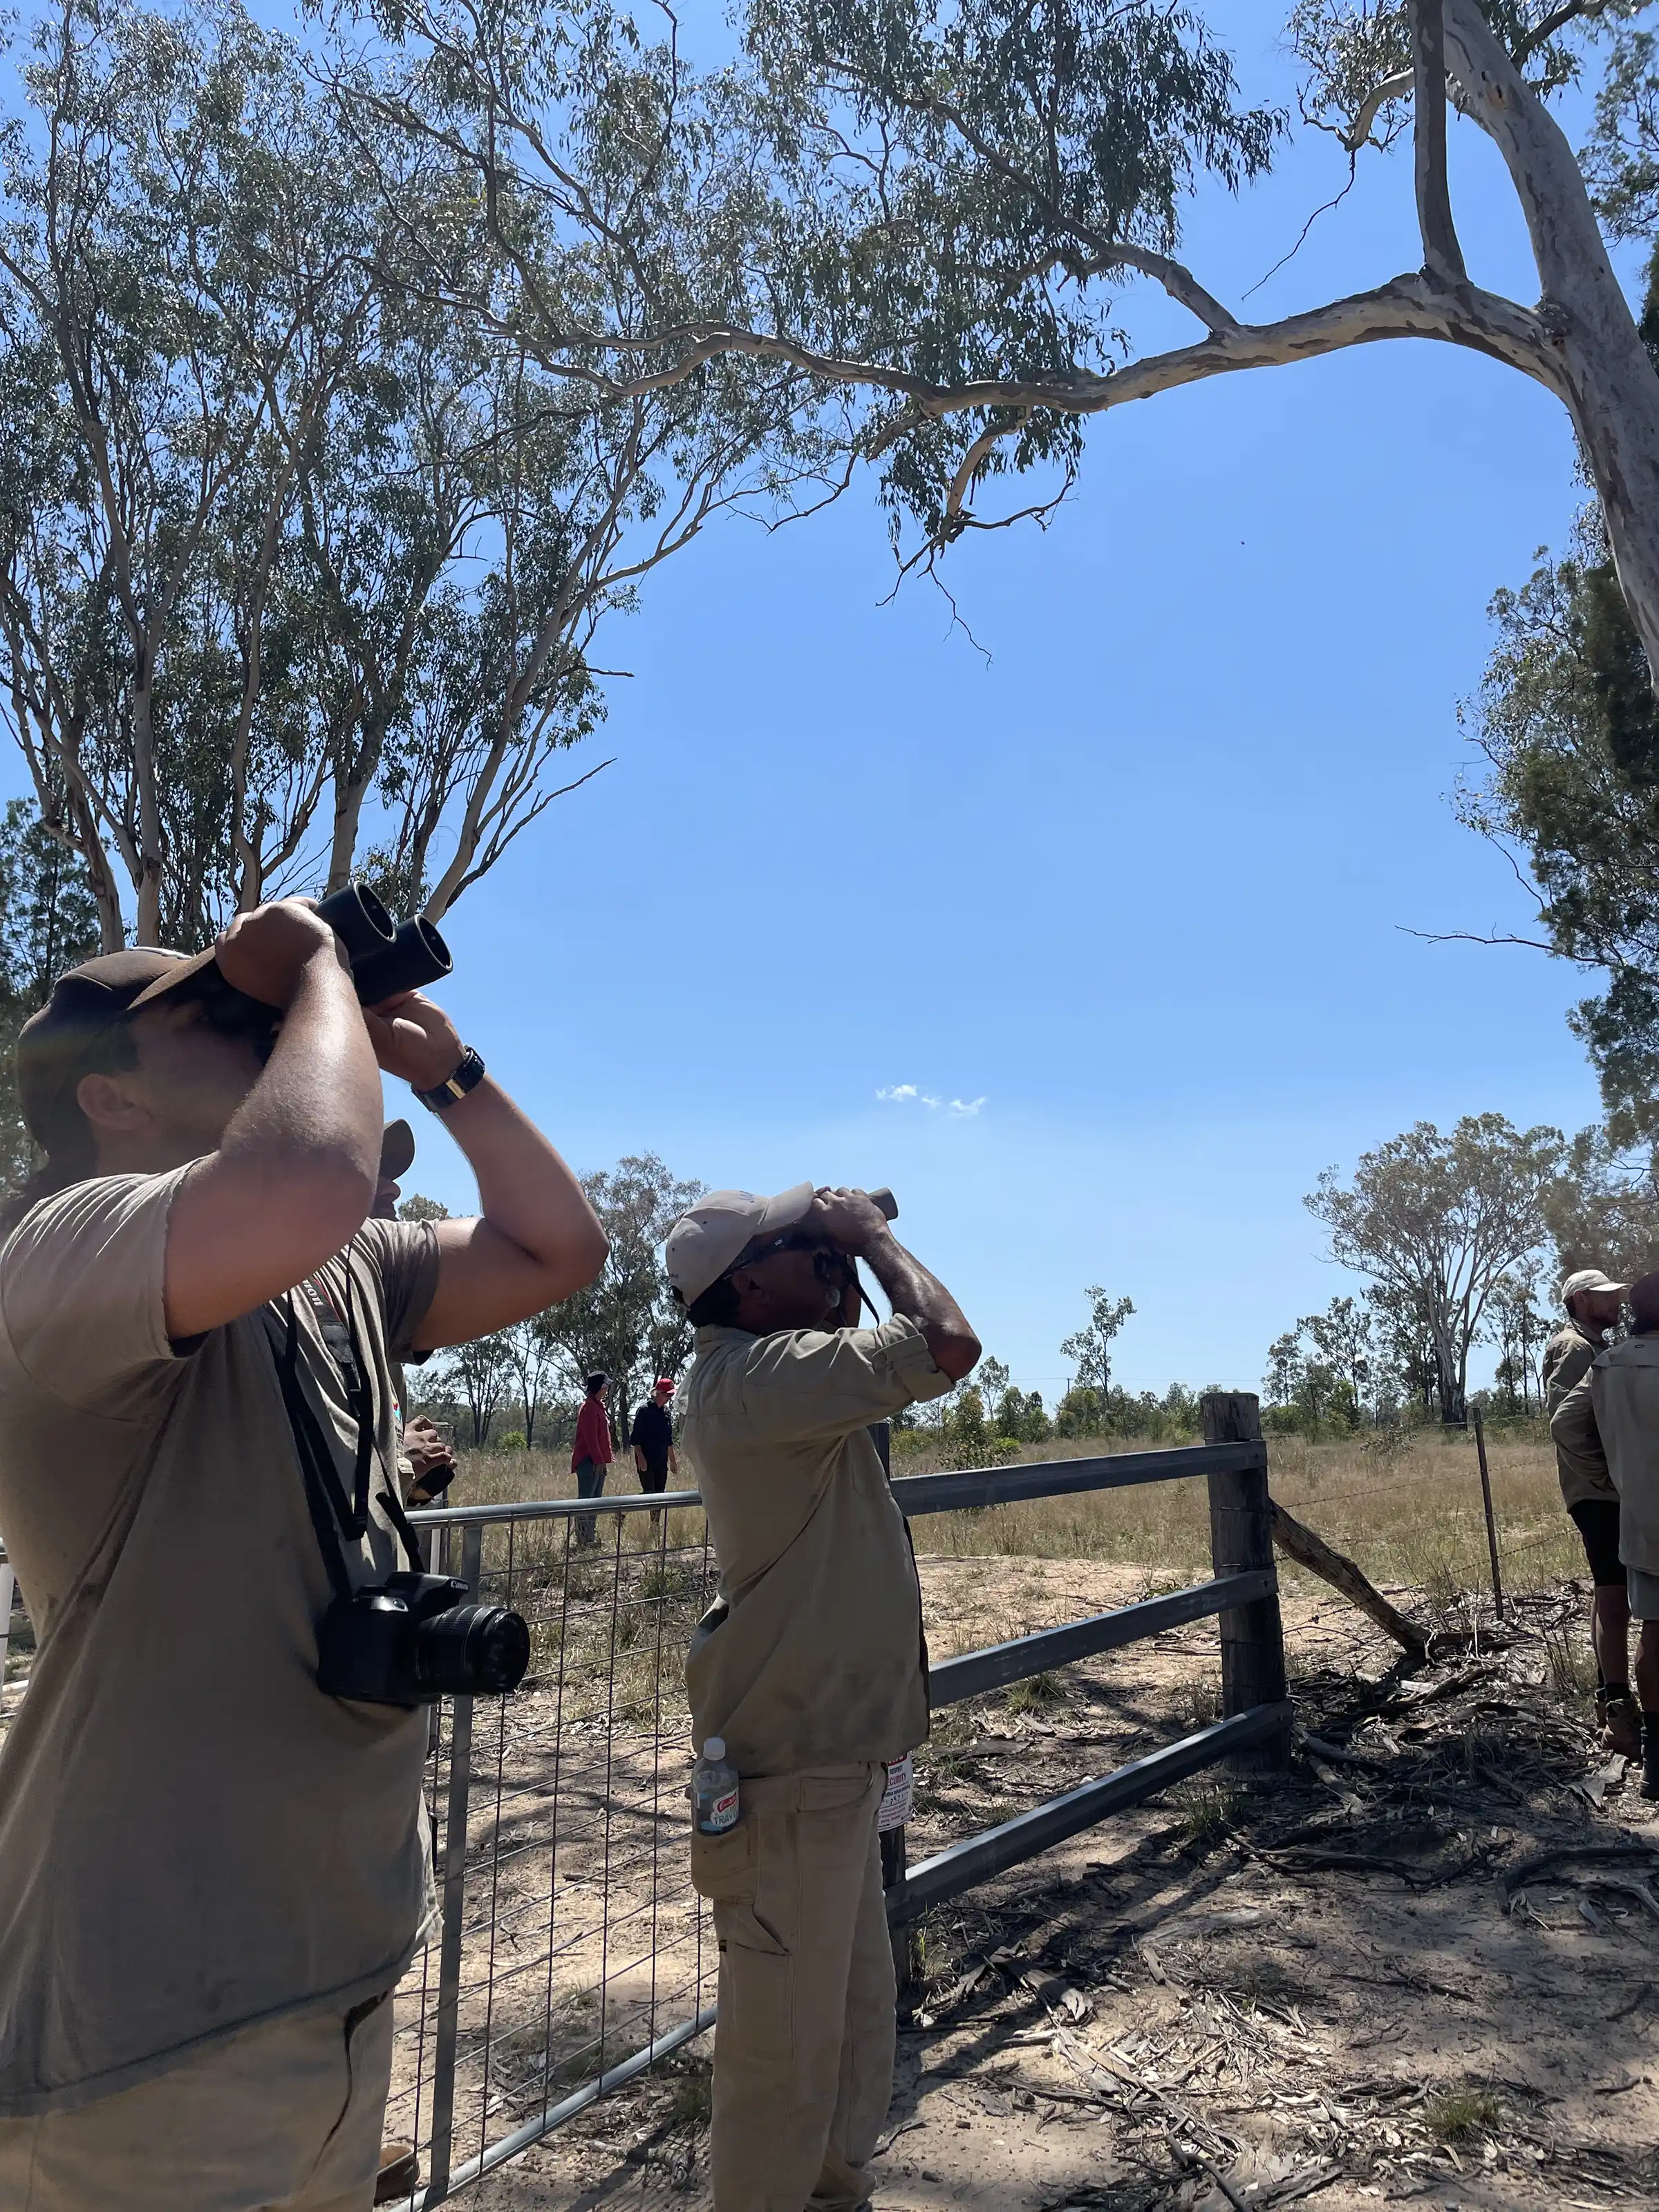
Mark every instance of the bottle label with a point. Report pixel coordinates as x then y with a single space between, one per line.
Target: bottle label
716 1814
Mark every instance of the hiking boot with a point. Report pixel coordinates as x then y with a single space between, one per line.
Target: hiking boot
1650 1756
1622 1727
399 2174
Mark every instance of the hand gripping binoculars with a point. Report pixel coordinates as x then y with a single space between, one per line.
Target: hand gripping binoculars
386 956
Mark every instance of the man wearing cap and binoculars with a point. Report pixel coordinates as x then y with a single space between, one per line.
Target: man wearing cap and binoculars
810 1667
1593 1302
212 1850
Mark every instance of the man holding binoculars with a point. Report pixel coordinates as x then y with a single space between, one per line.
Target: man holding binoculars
213 1857
811 1669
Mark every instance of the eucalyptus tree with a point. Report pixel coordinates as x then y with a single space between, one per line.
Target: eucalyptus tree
48 921
621 192
1090 1348
301 552
1603 1210
953 207
1438 1221
627 1323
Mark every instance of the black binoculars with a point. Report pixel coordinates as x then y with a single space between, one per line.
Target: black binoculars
386 956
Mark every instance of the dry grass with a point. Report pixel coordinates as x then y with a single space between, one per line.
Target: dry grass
1410 1513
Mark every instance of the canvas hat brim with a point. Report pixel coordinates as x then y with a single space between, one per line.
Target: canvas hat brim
397 1151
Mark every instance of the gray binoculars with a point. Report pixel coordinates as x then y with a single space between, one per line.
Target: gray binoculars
386 956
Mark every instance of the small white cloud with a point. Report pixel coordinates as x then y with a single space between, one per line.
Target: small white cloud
906 1094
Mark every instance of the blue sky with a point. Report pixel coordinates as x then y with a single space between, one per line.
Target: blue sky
1136 892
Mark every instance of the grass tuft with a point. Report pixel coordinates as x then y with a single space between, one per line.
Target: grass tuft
693 2100
1038 1694
1208 1810
1456 2114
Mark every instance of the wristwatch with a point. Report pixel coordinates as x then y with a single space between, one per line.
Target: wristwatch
467 1075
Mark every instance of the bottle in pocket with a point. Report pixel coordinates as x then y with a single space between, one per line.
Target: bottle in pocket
715 1790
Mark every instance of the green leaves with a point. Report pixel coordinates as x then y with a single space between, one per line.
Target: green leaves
1566 722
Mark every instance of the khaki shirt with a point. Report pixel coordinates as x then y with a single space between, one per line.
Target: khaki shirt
193 1836
813 1655
1581 1464
1613 1411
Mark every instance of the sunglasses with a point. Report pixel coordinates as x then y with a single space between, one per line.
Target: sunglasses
828 1264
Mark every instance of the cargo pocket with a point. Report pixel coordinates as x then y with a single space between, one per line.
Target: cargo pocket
832 1793
757 1987
724 1866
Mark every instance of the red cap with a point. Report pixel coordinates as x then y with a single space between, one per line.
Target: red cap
665 1382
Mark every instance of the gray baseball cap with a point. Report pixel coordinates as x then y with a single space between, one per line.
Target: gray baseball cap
707 1241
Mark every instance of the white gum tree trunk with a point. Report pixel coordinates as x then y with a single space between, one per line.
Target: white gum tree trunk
1602 370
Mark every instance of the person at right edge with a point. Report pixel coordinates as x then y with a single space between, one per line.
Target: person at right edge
212 1871
811 1665
1608 1424
1593 1302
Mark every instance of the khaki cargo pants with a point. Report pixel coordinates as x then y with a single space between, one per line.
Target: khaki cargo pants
803 2046
284 2118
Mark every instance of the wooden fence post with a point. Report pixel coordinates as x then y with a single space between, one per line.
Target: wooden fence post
1241 1538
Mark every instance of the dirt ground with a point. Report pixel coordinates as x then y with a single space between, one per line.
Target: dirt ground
1423 1967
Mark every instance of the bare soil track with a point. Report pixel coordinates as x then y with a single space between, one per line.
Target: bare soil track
1422 1968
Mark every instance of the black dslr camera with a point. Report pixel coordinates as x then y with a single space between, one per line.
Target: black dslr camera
411 1641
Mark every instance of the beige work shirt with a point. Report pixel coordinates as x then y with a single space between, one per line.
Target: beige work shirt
1581 1467
813 1655
193 1836
1612 1413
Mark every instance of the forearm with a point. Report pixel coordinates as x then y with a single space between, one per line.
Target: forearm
920 1297
318 1099
536 1240
525 1191
295 1172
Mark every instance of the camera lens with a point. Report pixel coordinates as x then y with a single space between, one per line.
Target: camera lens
471 1650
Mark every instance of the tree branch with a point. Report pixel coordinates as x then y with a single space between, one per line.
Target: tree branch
1443 257
1392 87
1405 306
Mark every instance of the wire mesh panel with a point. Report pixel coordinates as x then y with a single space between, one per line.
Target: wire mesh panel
568 1947
569 1951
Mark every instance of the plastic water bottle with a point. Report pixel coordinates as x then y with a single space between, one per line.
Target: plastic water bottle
715 1790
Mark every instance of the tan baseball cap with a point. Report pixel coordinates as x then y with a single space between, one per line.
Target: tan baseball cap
1589 1279
53 1045
704 1243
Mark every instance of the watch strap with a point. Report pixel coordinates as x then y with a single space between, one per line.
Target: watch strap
467 1075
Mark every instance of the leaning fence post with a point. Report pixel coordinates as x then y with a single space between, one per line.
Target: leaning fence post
1241 1539
1492 1525
454 1904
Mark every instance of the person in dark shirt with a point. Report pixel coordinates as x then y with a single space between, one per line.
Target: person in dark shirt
652 1439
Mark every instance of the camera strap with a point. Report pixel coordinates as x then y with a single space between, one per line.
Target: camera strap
333 1516
325 1499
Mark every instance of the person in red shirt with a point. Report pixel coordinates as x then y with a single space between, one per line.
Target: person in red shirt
589 1459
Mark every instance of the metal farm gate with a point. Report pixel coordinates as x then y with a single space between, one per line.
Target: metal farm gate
570 1952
